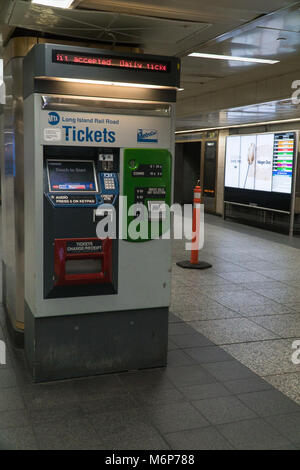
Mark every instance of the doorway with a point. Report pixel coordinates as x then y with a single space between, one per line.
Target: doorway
187 171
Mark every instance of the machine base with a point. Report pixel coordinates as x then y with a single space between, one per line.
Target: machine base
189 265
62 347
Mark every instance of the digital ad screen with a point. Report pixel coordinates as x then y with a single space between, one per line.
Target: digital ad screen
72 175
260 162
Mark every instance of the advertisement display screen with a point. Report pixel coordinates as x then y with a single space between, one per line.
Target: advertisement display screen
260 162
71 175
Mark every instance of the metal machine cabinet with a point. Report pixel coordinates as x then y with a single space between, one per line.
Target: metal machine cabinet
94 304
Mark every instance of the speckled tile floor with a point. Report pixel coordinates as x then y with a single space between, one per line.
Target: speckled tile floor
248 302
229 384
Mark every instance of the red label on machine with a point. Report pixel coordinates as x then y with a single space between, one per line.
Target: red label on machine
82 261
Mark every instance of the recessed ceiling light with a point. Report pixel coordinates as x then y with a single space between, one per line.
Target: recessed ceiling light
230 57
54 3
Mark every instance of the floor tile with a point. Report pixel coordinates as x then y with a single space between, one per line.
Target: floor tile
133 436
178 304
18 438
253 434
289 384
286 326
145 378
11 399
96 386
70 435
265 357
282 274
198 439
194 340
199 392
212 291
7 378
228 370
203 278
269 403
288 447
171 345
260 286
246 299
179 358
284 295
13 419
295 306
214 311
226 267
266 309
180 329
173 318
244 277
288 425
56 414
109 402
242 299
208 354
223 410
189 375
161 396
38 396
233 330
261 266
254 384
175 417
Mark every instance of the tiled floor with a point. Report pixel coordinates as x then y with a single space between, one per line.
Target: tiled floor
211 395
249 301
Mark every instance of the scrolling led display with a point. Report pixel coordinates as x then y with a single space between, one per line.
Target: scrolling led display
98 60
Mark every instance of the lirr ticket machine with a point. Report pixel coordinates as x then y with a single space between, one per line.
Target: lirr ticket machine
98 130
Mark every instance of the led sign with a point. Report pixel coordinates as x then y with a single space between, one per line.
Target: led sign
106 61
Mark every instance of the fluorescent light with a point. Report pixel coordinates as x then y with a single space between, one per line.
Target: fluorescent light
54 3
114 100
237 126
230 57
109 83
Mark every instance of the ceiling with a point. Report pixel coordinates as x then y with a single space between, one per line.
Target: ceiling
263 112
258 28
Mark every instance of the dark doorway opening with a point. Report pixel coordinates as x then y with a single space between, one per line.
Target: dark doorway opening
187 171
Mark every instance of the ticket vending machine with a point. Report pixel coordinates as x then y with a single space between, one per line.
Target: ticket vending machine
98 131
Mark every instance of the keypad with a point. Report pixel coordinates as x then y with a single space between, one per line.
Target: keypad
109 183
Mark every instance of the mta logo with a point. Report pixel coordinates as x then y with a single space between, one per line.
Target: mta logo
53 118
147 135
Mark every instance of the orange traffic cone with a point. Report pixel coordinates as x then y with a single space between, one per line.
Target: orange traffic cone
194 262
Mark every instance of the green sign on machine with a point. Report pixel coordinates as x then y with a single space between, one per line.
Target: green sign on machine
147 180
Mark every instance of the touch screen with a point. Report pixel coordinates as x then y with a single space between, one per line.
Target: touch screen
71 175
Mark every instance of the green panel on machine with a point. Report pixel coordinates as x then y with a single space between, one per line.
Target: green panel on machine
147 180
